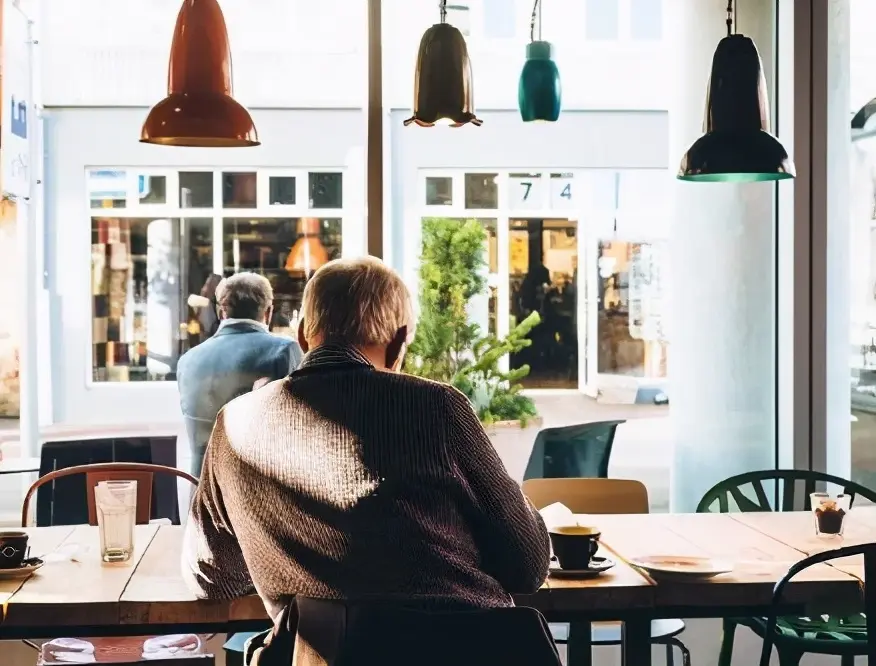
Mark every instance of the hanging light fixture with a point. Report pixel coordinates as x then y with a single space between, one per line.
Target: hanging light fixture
308 253
443 81
539 92
737 145
199 109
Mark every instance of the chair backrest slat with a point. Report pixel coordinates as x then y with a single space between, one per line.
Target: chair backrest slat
589 495
140 472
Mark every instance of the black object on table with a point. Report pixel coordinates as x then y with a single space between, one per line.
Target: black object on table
64 501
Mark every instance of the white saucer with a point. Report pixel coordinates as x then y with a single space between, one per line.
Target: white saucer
20 572
598 565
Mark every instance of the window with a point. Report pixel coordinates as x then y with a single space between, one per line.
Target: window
142 273
646 20
602 20
439 191
285 250
153 256
481 190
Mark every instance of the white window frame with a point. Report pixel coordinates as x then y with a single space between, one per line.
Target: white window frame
218 213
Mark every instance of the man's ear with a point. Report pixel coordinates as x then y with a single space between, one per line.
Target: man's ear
302 341
395 348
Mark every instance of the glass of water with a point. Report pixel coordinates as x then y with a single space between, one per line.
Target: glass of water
116 504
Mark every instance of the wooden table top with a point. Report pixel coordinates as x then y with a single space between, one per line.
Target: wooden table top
75 589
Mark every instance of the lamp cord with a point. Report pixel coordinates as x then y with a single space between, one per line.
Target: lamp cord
731 14
536 18
443 10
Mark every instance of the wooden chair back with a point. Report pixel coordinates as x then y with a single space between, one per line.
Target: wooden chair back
142 473
589 495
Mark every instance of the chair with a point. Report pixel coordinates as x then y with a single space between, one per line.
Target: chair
144 475
866 643
576 451
604 496
64 502
323 631
793 636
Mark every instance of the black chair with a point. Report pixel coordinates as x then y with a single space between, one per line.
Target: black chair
64 501
339 633
852 648
572 452
770 490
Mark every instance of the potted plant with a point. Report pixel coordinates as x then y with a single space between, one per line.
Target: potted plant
449 348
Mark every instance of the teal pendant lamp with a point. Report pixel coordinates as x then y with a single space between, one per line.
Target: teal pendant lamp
539 93
737 146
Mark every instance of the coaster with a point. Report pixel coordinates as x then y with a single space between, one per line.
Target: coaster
598 565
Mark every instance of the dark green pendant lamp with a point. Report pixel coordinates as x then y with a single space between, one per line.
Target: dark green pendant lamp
737 146
443 80
538 92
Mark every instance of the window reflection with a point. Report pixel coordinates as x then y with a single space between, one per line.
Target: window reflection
239 190
286 251
543 278
142 272
195 189
631 337
481 190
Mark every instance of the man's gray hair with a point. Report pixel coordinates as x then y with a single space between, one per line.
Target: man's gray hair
359 302
245 296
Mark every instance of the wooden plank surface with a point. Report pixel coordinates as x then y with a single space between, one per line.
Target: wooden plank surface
758 560
42 541
79 590
797 530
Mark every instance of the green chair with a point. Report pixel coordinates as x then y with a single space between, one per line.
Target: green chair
789 490
572 452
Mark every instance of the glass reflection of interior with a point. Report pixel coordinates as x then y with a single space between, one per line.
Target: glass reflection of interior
142 273
631 340
285 250
544 278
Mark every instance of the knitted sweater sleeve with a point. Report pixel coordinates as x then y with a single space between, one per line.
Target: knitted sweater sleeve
509 532
212 561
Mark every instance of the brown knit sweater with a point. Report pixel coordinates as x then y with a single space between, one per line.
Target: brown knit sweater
346 482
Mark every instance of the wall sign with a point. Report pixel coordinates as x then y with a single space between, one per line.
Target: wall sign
563 191
526 191
16 121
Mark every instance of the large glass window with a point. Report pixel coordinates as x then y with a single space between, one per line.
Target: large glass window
142 273
602 20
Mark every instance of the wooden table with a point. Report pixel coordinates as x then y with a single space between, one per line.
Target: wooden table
82 596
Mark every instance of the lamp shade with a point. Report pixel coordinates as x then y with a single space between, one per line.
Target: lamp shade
199 109
737 145
443 80
308 253
539 92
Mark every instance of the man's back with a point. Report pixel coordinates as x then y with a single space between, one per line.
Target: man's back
224 367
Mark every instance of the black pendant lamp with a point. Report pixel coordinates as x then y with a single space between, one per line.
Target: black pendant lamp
443 80
737 146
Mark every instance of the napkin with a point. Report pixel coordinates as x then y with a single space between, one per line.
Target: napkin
557 514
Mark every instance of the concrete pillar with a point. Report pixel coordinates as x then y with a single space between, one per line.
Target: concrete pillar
722 356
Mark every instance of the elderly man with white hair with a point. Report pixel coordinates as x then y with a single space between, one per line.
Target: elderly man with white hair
350 481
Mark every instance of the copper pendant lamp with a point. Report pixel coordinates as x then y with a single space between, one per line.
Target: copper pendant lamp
737 146
199 109
308 253
443 80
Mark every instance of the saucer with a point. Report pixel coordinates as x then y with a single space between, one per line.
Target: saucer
597 566
26 569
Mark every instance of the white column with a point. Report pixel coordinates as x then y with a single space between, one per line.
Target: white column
722 357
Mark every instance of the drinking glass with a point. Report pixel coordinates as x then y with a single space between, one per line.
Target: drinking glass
116 504
830 513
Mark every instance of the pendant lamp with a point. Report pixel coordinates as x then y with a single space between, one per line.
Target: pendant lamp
737 146
308 253
199 110
538 91
443 81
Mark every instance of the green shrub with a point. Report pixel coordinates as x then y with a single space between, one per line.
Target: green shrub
447 347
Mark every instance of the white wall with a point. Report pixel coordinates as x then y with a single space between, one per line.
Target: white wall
79 138
303 53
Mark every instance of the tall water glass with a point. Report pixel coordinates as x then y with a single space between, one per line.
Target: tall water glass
116 504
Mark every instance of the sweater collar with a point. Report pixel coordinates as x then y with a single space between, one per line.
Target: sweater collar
333 355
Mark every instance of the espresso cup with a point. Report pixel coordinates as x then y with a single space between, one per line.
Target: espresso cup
574 545
13 546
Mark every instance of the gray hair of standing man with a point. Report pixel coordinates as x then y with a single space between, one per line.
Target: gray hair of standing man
245 296
360 302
